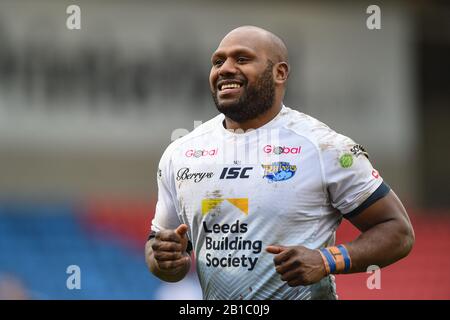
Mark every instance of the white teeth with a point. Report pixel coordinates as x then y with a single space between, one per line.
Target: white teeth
230 86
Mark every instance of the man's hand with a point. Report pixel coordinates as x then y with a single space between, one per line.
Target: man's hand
167 256
298 265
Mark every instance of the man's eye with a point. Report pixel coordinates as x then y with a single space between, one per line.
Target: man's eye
241 59
217 62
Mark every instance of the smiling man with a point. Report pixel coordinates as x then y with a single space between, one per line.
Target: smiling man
262 220
247 78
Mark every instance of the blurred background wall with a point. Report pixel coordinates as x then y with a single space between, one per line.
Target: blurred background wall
86 114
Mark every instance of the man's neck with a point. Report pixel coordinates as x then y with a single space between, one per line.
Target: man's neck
253 123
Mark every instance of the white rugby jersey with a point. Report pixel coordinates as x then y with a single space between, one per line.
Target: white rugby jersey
288 183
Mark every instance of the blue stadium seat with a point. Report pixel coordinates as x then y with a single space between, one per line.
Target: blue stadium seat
38 241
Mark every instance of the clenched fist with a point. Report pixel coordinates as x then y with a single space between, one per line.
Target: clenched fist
298 265
168 250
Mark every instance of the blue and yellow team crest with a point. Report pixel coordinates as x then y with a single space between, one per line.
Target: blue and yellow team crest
279 171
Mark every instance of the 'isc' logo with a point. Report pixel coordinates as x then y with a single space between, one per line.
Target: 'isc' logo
235 172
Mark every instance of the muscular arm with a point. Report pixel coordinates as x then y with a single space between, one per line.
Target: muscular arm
387 235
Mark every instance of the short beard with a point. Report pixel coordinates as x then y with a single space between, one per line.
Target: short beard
255 100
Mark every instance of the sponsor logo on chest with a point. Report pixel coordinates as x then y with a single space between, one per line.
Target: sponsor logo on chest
282 149
197 153
185 174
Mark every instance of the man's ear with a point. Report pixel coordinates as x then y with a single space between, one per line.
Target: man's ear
281 72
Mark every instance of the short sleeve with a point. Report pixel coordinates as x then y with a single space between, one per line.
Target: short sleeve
166 216
351 180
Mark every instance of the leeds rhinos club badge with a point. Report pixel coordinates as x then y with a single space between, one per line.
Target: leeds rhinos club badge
279 171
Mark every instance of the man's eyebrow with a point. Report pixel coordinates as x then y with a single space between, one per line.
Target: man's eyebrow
233 52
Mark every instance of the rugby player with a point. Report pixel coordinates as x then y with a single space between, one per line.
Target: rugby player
257 192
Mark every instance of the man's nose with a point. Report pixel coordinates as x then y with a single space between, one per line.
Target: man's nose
227 67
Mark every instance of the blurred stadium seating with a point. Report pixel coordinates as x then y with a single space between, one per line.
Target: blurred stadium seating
40 240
